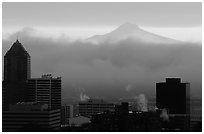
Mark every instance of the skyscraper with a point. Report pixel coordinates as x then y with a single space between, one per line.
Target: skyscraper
46 89
16 63
174 96
16 72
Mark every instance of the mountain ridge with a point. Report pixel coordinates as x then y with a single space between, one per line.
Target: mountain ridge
129 31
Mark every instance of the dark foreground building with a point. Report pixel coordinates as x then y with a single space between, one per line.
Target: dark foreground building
16 72
30 117
19 90
174 96
123 120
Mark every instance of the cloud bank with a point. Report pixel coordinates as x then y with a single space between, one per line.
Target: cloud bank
104 70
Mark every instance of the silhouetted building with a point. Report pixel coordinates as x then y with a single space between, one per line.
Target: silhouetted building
174 96
16 72
179 122
16 63
30 117
46 89
128 122
122 109
94 106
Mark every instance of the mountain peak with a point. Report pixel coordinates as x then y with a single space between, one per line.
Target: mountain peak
128 25
127 28
131 32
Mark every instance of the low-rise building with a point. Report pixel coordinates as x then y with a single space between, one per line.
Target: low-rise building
29 117
94 106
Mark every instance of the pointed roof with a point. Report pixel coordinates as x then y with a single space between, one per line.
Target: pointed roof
17 47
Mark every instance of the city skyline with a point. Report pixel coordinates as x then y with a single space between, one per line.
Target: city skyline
102 67
39 105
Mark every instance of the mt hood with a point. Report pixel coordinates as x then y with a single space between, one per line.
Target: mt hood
133 33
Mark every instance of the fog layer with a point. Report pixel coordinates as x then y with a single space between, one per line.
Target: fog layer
105 70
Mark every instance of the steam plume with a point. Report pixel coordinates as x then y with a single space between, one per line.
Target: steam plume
83 96
128 88
164 115
141 102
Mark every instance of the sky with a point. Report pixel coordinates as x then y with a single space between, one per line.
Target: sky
54 33
180 21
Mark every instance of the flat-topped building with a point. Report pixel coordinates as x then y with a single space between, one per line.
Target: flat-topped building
94 106
46 89
30 117
173 95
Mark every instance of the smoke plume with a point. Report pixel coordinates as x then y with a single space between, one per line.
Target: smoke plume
141 102
83 96
128 88
164 115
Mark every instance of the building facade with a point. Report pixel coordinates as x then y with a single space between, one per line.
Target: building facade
94 106
46 89
30 117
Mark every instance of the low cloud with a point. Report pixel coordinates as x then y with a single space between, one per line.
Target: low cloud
104 69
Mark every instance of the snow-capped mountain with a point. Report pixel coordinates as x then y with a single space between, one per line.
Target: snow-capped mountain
131 32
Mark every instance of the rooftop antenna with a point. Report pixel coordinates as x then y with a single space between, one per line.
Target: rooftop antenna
17 36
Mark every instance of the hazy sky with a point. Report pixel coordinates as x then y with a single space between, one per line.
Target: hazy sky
176 20
105 70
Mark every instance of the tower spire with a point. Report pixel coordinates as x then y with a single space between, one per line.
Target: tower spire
17 37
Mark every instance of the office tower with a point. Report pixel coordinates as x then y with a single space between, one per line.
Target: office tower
16 72
30 117
174 96
46 89
16 63
94 106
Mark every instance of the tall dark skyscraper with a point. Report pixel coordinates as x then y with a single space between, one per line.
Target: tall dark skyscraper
28 104
16 63
174 96
16 72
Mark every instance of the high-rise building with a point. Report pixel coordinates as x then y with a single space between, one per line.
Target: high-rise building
94 106
44 113
174 96
29 117
16 63
16 72
46 89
